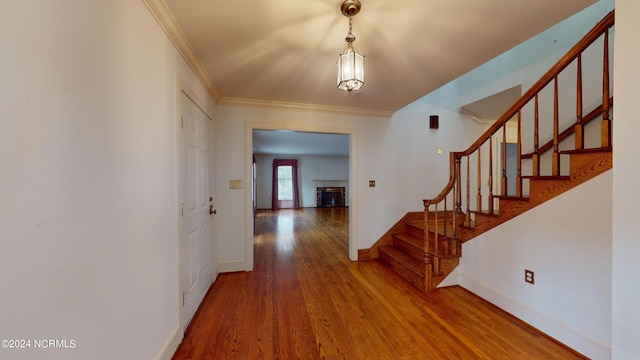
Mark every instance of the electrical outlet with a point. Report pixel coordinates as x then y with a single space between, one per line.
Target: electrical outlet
439 151
372 183
529 276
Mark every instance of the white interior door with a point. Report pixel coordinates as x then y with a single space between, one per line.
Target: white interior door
197 200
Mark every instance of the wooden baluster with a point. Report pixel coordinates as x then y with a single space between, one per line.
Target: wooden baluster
605 129
519 151
479 194
490 195
426 232
445 218
444 226
458 186
435 244
503 183
535 158
555 157
579 131
467 220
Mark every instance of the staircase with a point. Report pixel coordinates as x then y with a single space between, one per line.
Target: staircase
424 247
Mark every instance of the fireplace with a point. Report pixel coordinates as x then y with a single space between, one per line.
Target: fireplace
330 197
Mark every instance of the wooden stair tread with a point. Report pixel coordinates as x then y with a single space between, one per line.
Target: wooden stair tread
415 265
511 198
416 223
420 225
484 212
547 177
410 239
588 150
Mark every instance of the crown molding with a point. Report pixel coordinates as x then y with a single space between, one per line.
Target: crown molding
168 23
481 120
301 106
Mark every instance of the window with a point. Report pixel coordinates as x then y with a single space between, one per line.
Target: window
285 182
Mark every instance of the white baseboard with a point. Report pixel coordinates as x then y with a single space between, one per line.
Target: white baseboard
451 279
584 344
232 266
170 346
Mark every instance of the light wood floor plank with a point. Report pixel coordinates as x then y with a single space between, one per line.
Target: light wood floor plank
306 300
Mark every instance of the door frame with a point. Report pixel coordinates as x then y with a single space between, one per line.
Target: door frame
353 190
183 88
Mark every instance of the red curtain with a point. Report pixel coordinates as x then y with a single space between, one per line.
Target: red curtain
294 180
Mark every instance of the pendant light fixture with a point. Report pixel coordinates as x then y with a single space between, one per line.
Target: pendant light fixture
350 62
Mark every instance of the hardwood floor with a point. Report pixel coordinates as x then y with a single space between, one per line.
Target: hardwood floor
306 300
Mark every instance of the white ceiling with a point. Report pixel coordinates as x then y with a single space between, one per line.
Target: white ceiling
282 142
286 51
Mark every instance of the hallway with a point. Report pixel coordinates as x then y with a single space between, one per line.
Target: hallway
306 300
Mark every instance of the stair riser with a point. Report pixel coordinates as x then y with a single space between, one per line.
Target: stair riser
416 279
415 231
446 247
409 249
583 165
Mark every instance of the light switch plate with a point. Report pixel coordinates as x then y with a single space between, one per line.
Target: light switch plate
235 184
439 151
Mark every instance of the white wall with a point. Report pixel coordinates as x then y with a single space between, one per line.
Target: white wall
310 168
567 243
236 122
88 198
626 176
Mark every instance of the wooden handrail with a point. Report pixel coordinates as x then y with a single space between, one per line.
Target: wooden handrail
454 182
587 40
448 187
594 114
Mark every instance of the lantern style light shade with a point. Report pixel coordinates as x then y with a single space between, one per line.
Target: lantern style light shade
350 70
350 62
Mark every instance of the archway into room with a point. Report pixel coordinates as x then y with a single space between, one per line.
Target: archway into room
256 194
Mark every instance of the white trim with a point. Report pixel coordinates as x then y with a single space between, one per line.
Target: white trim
452 279
484 121
301 106
171 345
248 229
558 330
168 23
183 87
232 266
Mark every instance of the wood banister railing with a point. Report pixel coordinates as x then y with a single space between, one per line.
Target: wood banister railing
594 114
530 108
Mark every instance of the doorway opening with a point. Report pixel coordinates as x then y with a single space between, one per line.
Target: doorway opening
324 159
